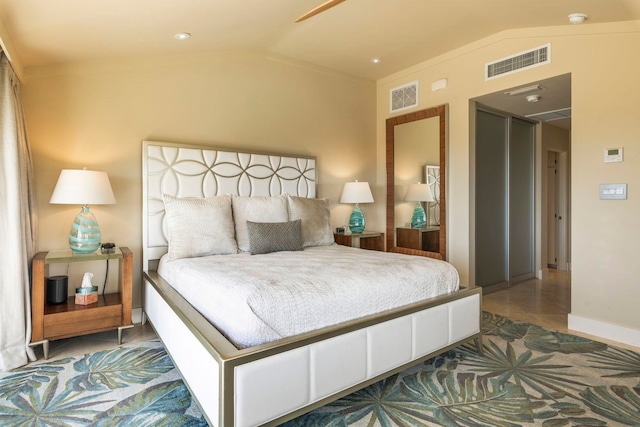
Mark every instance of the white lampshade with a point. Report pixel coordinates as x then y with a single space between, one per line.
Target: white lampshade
419 193
82 187
356 192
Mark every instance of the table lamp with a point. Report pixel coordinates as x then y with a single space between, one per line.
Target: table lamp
83 187
419 193
356 192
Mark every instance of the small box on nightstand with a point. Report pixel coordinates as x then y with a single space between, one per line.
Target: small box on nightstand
86 296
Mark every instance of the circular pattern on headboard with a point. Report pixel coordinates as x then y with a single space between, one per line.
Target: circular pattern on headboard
191 171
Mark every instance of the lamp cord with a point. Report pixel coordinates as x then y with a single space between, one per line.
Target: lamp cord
106 277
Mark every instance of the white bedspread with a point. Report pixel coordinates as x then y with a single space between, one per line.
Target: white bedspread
254 299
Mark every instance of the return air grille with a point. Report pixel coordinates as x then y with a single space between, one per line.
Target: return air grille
405 96
548 116
521 61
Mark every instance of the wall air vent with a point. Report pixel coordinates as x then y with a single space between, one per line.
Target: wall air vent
405 96
521 61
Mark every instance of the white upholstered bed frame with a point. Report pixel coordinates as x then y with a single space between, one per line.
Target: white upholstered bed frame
274 382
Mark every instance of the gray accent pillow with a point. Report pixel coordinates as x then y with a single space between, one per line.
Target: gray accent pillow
316 220
256 209
199 226
266 237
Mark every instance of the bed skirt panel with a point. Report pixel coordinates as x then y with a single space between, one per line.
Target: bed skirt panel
200 370
432 323
463 317
389 345
275 382
336 364
268 388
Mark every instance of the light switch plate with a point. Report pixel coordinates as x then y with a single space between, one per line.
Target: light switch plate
613 191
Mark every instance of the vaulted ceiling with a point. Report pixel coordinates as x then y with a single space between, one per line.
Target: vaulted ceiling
344 38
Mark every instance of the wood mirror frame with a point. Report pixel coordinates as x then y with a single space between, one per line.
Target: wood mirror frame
440 112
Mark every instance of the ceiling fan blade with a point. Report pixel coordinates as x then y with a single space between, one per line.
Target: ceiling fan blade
324 6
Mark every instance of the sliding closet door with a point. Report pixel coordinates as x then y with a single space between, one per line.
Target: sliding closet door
505 204
521 200
492 133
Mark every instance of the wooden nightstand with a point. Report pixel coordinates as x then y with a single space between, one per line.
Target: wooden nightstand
53 322
425 239
372 240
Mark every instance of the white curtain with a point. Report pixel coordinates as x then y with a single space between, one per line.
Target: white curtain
17 224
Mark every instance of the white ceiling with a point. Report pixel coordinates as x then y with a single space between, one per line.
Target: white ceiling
554 93
345 38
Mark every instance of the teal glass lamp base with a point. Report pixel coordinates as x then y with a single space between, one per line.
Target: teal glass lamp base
419 218
356 220
84 237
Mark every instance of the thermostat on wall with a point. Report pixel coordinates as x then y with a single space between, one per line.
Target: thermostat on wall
612 155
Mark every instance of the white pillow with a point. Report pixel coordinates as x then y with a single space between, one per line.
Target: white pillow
316 220
256 209
199 226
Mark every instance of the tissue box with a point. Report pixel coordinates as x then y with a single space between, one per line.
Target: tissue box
86 296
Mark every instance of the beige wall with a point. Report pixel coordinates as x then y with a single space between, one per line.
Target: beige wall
604 100
96 115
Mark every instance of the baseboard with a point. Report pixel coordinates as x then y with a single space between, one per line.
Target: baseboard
542 274
489 289
136 315
604 330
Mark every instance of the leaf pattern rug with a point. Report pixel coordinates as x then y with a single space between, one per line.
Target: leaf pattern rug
526 376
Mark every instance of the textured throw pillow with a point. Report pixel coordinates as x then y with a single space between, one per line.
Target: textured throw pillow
256 209
266 237
199 226
316 220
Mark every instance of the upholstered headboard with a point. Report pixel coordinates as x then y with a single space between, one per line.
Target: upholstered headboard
195 171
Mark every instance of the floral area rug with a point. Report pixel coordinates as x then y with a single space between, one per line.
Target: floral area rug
526 376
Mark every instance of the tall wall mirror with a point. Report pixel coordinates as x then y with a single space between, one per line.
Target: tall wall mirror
416 171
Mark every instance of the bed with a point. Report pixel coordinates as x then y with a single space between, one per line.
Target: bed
292 369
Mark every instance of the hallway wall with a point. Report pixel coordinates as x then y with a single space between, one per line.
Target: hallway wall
604 252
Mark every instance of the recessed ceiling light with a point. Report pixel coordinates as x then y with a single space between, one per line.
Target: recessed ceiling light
182 36
577 18
376 60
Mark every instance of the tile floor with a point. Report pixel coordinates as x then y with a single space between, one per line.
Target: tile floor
543 302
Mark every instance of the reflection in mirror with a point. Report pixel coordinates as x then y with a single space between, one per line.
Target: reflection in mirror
416 154
416 146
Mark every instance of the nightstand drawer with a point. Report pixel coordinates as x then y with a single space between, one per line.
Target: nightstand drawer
72 323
